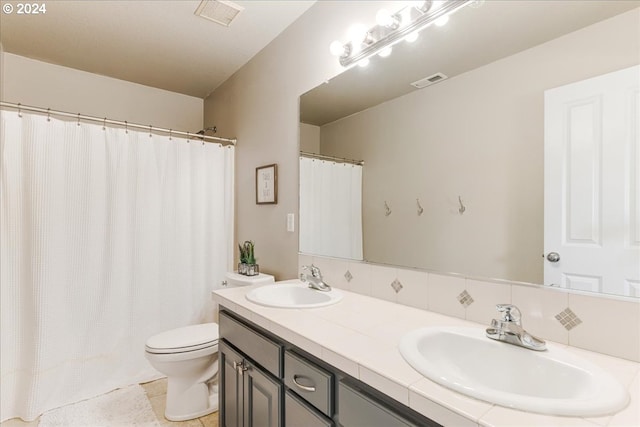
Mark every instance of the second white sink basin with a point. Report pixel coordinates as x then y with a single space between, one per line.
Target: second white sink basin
293 294
553 382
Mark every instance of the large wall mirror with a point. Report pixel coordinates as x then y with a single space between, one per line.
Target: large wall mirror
454 173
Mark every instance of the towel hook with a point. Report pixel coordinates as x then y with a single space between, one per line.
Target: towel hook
387 209
420 209
462 207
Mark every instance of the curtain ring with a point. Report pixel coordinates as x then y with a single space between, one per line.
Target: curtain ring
48 114
104 124
150 131
78 119
19 110
126 127
170 130
188 137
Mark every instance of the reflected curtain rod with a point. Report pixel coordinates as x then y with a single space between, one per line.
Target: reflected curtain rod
338 159
125 124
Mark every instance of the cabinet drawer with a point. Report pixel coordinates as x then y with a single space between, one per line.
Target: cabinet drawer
262 350
359 410
299 414
309 381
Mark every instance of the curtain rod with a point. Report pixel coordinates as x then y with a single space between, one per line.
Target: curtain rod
104 121
338 159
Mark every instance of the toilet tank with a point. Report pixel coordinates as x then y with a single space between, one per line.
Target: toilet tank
234 280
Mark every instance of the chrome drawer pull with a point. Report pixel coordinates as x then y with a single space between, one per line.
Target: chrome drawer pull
303 387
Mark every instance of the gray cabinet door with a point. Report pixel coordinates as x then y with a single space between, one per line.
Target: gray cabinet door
262 399
230 387
299 414
357 410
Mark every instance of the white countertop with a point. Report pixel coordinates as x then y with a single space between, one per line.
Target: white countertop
360 336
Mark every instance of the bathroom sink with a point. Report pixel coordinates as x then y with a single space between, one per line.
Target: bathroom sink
293 294
553 382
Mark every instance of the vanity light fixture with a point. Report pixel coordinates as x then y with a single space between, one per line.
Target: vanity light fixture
391 28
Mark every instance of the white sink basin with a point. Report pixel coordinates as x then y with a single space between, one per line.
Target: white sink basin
553 382
293 294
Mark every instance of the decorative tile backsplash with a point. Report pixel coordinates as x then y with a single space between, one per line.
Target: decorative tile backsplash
348 276
542 307
396 285
568 319
465 299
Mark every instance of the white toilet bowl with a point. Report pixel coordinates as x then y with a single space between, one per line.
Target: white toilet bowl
188 356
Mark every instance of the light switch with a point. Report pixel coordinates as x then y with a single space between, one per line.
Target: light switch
291 224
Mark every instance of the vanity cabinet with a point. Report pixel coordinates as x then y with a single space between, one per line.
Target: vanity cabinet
265 381
249 370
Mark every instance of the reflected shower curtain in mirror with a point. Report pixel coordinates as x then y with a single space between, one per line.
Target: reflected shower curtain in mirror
330 208
107 237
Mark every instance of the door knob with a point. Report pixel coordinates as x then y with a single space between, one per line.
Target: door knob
553 257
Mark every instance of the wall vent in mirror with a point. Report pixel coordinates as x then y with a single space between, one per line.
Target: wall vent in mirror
428 81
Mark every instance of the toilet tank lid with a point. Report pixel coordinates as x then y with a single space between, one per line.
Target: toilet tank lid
241 279
187 336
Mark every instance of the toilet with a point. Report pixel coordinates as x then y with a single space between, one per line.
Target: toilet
188 356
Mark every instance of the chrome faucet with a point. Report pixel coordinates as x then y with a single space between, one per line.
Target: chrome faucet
315 279
509 329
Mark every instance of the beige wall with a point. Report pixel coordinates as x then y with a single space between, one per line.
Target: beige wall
480 136
259 105
40 84
309 138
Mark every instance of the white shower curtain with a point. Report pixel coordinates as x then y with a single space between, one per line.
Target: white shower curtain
107 237
330 208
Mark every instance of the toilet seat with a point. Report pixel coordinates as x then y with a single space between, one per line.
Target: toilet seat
185 339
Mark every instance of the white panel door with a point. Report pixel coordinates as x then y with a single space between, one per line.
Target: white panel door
592 184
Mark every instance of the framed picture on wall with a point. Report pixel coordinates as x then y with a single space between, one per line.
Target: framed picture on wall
267 184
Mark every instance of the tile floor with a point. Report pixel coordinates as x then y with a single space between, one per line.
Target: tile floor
156 393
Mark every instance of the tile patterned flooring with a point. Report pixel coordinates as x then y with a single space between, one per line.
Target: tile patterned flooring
156 393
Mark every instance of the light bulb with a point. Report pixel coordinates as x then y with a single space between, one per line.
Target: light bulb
336 48
412 37
442 21
385 52
363 62
384 18
357 34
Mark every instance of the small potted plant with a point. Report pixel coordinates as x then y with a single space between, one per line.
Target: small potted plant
252 267
247 265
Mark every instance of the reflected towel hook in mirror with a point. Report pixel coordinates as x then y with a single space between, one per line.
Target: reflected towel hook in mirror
387 209
462 207
420 209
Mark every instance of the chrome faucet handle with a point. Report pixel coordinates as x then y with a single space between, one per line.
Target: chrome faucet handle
315 271
511 313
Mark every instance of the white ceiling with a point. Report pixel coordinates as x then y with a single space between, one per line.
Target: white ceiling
162 44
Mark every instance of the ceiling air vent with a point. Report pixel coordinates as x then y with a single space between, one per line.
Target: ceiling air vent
219 11
428 81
